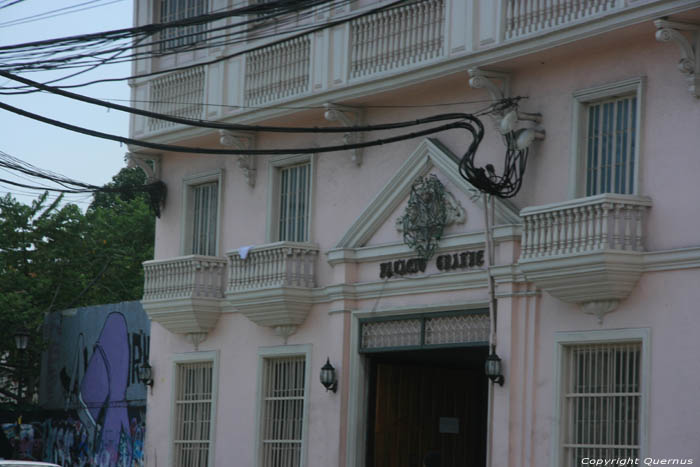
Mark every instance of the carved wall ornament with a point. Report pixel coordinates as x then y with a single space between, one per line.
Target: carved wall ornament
241 140
455 212
425 217
348 116
689 64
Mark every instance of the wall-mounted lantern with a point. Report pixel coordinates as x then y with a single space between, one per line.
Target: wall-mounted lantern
493 368
328 378
21 339
146 374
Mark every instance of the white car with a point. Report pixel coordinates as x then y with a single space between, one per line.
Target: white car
26 464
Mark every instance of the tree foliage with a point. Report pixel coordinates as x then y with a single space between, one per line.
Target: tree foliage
54 257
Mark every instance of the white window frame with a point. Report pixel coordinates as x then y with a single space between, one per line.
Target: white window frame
187 216
195 357
279 352
275 165
581 100
612 336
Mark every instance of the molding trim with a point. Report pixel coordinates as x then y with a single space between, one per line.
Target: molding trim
689 64
429 153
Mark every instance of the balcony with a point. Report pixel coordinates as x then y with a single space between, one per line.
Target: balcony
184 294
367 54
271 285
586 251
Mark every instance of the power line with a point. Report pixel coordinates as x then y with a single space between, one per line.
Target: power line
56 12
311 29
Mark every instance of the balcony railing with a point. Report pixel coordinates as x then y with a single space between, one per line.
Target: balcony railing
397 38
410 36
595 223
184 277
179 94
278 71
586 251
532 16
281 264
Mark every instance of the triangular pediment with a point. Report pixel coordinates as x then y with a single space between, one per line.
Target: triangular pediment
429 156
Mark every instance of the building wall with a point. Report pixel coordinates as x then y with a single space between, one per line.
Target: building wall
528 320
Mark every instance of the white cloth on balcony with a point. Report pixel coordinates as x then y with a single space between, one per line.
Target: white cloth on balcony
243 251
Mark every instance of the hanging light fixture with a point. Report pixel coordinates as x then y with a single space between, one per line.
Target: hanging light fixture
493 368
328 378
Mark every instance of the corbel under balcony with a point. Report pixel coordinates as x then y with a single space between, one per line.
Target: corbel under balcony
348 116
271 284
689 64
184 294
587 251
242 140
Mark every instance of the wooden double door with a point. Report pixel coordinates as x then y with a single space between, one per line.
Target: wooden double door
424 403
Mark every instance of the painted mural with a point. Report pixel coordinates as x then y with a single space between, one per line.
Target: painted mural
90 386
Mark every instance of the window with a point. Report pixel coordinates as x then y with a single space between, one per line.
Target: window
601 400
283 406
289 216
193 409
606 139
174 10
202 205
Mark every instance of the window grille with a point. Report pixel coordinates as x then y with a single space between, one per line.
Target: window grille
204 219
174 10
601 407
193 409
424 331
294 203
610 146
283 411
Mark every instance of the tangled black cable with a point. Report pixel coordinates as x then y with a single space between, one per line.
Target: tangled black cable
485 179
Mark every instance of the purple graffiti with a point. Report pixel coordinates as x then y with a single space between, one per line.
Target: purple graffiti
103 384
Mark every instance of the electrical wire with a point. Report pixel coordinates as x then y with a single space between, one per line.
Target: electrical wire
311 29
58 12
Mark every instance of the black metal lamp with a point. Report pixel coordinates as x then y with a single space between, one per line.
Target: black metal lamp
21 339
328 378
493 368
146 374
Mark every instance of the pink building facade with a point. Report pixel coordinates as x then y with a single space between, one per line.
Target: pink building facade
266 267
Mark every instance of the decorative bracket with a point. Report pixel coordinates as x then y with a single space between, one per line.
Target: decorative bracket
149 163
498 86
241 140
482 79
689 64
348 116
600 308
285 331
196 338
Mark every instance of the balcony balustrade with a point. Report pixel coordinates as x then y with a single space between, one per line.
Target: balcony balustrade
180 94
271 284
397 38
587 250
417 35
183 294
532 16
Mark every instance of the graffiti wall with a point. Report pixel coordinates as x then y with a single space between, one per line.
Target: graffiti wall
94 401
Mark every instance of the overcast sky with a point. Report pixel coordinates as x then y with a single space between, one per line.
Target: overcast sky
77 156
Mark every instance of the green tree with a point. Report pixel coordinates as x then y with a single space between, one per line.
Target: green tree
53 257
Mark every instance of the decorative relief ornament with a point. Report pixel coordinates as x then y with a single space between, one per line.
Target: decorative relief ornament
426 215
